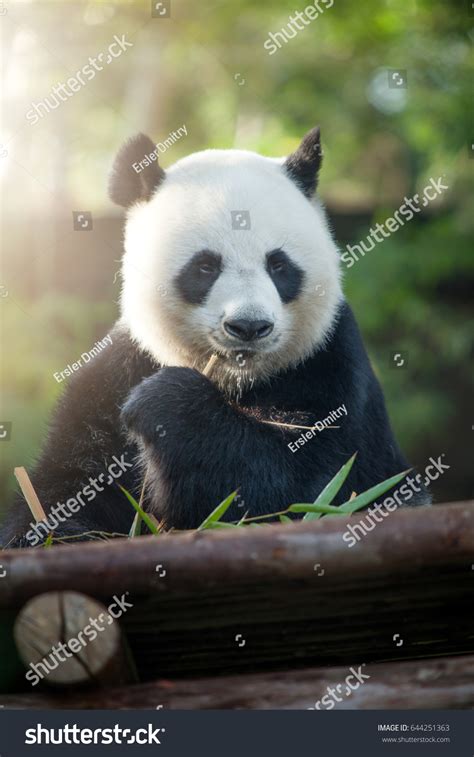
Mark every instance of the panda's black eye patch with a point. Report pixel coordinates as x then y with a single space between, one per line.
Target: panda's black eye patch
286 275
196 278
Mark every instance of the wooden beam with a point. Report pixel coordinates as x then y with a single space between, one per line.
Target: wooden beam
409 541
444 683
297 593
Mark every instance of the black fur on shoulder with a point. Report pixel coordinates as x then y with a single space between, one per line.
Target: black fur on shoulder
84 436
304 164
129 184
198 445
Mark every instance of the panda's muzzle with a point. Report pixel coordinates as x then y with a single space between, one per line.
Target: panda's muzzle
247 330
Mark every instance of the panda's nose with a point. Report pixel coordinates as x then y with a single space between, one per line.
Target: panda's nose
248 330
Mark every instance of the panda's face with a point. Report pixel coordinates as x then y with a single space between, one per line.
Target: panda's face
239 296
229 257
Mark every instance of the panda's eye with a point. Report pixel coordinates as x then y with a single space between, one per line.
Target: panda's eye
207 268
277 262
278 267
207 263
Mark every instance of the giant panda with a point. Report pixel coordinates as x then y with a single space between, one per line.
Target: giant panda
227 254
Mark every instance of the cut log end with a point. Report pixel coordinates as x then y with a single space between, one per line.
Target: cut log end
68 638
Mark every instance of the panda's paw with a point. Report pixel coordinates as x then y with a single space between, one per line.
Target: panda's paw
158 407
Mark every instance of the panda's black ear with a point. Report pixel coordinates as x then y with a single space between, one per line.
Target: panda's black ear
135 172
303 165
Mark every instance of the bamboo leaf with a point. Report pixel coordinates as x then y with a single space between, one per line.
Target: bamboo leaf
148 522
309 508
218 512
371 494
331 489
312 516
135 529
285 519
155 521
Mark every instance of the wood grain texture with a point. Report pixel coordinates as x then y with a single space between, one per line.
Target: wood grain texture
50 637
297 594
446 683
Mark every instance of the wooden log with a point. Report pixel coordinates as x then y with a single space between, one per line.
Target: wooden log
446 683
67 638
409 541
297 593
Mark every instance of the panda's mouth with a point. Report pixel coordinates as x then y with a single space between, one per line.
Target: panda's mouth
232 353
242 353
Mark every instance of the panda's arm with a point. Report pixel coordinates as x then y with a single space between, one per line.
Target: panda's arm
198 448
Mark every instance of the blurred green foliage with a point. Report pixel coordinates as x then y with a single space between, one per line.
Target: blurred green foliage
40 341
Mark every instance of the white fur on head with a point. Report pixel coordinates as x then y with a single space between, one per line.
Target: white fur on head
191 211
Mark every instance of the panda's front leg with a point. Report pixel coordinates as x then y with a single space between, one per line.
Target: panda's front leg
198 448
